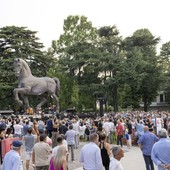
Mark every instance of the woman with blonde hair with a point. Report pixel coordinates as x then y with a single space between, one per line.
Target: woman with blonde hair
59 162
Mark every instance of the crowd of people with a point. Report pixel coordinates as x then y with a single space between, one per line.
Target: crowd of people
49 144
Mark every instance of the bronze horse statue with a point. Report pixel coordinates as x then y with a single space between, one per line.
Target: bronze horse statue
31 85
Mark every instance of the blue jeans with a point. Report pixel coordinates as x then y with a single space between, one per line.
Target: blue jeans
148 162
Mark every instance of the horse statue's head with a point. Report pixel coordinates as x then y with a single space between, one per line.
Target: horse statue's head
17 66
21 68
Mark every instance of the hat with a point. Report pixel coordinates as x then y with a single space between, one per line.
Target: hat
17 143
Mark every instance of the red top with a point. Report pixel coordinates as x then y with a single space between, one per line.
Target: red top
119 129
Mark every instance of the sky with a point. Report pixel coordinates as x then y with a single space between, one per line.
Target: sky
47 16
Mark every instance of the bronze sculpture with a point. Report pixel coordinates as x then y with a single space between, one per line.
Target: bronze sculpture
31 85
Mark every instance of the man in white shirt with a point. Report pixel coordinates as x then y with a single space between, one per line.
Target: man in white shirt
76 127
90 154
115 160
106 127
18 129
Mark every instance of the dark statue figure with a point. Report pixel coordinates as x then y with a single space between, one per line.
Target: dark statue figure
31 85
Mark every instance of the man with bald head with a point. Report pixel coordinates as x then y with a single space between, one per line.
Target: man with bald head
146 142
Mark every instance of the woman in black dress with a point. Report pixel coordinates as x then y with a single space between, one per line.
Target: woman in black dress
105 151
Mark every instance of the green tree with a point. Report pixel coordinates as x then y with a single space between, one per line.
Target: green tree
85 71
75 49
164 58
164 61
111 60
142 61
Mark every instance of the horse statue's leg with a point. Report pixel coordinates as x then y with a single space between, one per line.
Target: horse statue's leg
16 97
43 101
26 102
56 102
21 91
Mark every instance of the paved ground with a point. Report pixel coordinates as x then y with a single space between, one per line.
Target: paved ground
132 160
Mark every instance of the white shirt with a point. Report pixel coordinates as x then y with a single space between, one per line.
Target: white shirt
82 130
112 126
159 123
66 144
106 127
9 124
18 129
115 164
90 156
76 127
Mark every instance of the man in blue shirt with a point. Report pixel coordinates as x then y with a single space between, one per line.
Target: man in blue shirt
146 142
161 151
12 159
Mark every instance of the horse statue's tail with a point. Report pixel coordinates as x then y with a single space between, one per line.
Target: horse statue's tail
57 81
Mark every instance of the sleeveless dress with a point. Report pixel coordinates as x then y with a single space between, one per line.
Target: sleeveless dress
52 166
104 155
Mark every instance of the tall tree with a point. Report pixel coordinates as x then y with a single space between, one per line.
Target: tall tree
111 60
164 61
165 57
143 61
75 49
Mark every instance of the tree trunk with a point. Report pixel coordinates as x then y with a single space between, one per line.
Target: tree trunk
115 98
101 107
145 105
95 108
